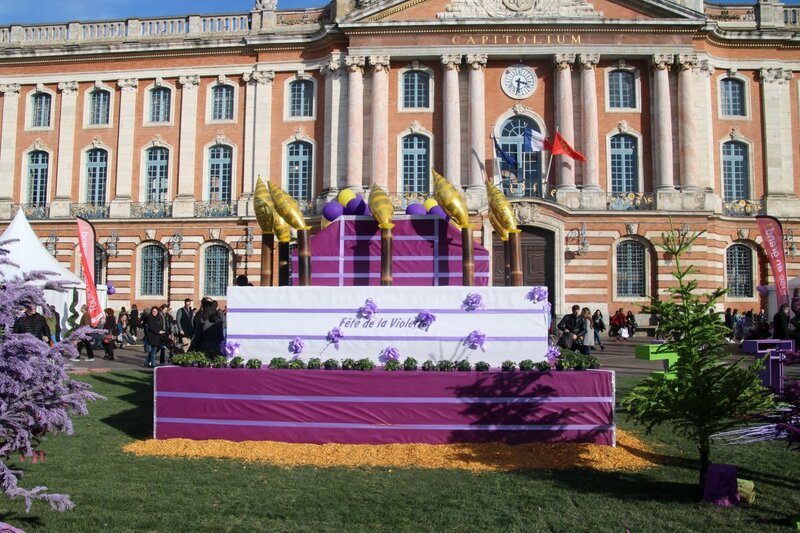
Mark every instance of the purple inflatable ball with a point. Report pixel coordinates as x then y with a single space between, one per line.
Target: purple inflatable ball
439 211
332 210
415 209
356 206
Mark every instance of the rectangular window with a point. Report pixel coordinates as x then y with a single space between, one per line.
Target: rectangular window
37 178
97 172
739 271
222 103
299 166
160 105
624 175
99 102
630 270
416 90
415 164
621 89
733 98
735 175
152 275
301 99
41 111
219 177
157 170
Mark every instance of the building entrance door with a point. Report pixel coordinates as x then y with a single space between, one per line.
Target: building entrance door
538 260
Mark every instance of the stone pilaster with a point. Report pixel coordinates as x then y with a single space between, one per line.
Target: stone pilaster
355 122
476 192
8 146
592 196
121 204
59 208
688 112
184 201
257 134
452 119
662 112
335 103
566 192
379 150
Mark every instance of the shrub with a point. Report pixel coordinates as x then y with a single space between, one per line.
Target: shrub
364 364
348 364
482 366
542 366
184 359
278 363
331 364
445 366
571 360
393 365
202 362
314 363
410 364
526 364
297 364
218 362
428 366
253 363
236 362
463 366
508 366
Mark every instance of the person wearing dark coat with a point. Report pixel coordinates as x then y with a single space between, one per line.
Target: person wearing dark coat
134 320
32 322
185 320
209 332
110 327
572 328
780 328
154 329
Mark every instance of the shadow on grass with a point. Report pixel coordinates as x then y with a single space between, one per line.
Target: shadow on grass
21 520
137 422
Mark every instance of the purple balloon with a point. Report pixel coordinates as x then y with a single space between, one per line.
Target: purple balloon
356 206
332 210
415 209
111 291
439 211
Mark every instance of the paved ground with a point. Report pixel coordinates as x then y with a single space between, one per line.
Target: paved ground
617 356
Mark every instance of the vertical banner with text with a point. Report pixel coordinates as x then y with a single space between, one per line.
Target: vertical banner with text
772 237
86 240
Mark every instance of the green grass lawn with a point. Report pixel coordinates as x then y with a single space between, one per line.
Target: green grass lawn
114 491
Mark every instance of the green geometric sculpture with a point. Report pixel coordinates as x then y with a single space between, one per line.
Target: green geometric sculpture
649 352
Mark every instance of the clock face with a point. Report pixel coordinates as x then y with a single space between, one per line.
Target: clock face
518 81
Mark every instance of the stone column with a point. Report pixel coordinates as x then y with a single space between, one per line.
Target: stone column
121 204
476 191
184 201
8 146
335 103
592 196
662 138
781 198
66 149
452 119
258 134
379 149
565 166
355 122
687 122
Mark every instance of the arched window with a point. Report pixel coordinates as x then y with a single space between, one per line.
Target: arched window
152 271
621 89
416 164
217 260
99 103
624 164
416 89
40 118
160 104
38 166
157 175
524 178
631 270
222 103
298 164
301 98
735 172
733 97
739 271
99 265
220 161
97 174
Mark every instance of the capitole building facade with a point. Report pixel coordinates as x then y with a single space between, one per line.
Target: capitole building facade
157 129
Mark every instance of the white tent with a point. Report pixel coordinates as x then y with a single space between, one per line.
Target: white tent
772 300
30 254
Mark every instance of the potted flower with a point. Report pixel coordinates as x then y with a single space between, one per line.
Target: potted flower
481 366
297 364
463 366
445 366
236 362
393 365
314 363
253 363
364 364
348 364
428 366
526 364
330 364
278 363
410 364
508 366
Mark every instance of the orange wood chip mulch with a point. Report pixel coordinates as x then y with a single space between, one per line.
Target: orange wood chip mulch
630 454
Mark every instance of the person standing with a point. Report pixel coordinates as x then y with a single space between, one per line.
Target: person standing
185 319
209 329
599 326
588 338
781 323
153 330
32 322
86 321
134 320
110 327
54 323
617 323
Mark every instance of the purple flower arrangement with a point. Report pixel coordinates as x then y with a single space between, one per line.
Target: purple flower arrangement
476 339
229 349
553 353
390 353
763 290
296 347
369 309
334 336
425 319
472 302
537 294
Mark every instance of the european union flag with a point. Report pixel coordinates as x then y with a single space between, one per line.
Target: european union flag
503 155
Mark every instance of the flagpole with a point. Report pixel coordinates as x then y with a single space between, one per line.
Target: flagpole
547 174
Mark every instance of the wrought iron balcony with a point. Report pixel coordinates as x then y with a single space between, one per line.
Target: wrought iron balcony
630 201
88 210
741 208
214 209
151 209
32 211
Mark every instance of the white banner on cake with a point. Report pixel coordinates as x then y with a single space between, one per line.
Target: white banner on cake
491 324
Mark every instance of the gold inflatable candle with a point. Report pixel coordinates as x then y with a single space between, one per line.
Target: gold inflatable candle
262 203
381 207
498 228
501 208
287 208
451 200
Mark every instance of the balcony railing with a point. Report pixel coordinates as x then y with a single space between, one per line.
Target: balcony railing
151 209
32 211
88 210
630 201
741 208
214 209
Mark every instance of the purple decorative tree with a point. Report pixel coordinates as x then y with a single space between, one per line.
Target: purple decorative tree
37 396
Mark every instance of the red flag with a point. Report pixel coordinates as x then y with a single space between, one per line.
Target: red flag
560 146
86 239
772 235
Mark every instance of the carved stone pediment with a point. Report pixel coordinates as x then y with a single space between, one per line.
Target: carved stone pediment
519 8
526 212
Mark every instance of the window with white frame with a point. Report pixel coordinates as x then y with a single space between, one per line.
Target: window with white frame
733 97
220 164
524 179
99 265
621 89
157 175
151 271
217 269
97 176
41 106
222 102
739 271
416 164
299 164
624 164
99 107
301 98
416 89
735 171
38 170
631 271
160 104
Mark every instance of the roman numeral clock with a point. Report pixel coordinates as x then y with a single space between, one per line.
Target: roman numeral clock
518 81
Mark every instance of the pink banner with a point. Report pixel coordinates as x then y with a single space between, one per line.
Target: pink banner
86 239
772 237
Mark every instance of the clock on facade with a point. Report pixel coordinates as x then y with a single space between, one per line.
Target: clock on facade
518 81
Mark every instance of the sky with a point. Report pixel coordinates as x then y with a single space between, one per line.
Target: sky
42 11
